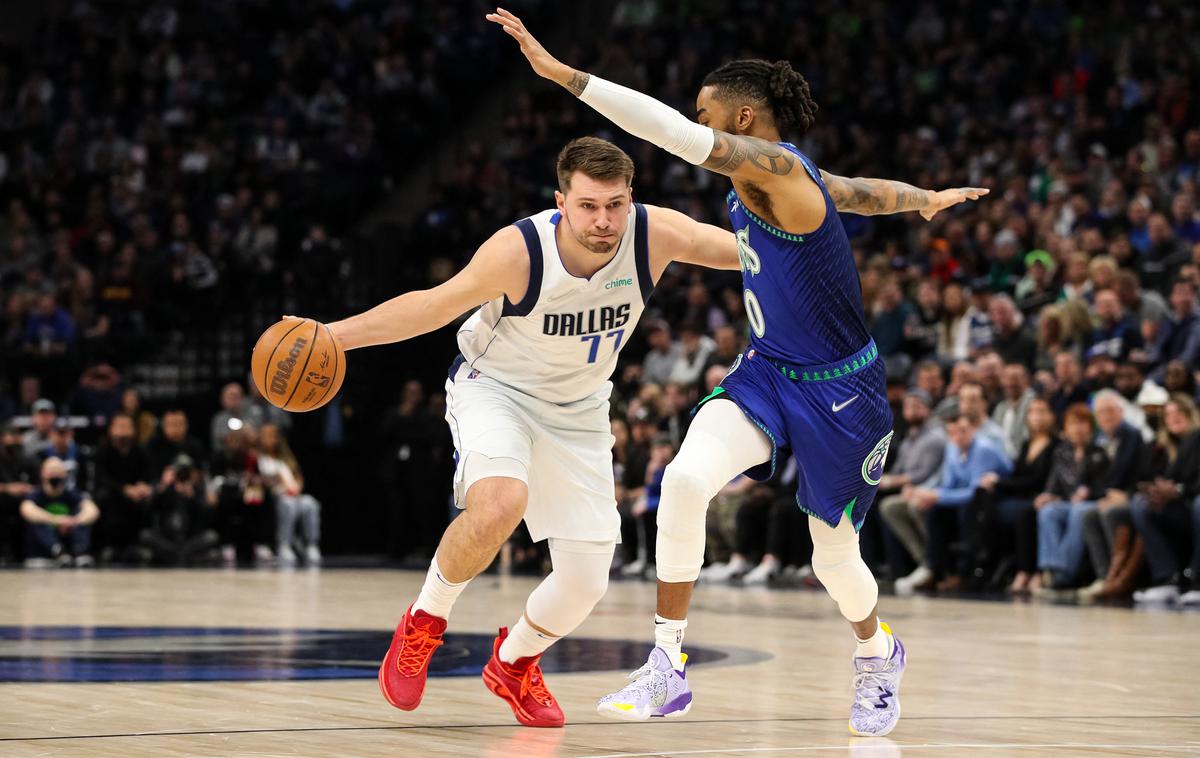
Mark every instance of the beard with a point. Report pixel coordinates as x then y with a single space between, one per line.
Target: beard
600 246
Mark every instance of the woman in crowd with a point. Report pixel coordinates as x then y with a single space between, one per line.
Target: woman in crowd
1162 510
281 473
1077 476
1003 505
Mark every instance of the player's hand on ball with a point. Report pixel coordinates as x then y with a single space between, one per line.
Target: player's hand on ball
298 364
946 198
544 64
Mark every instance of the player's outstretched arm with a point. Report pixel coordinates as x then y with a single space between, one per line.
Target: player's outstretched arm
500 267
651 120
872 197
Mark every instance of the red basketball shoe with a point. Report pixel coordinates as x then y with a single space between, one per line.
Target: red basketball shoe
406 665
521 685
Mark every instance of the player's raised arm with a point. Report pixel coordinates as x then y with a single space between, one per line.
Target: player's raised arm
641 115
500 267
871 197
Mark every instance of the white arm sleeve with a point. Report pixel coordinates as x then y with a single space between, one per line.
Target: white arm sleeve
643 116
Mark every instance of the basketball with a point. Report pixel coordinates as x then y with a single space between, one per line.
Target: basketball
298 365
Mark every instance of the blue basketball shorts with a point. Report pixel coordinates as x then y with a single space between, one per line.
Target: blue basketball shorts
835 419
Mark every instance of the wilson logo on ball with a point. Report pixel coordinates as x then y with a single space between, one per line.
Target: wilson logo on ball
279 382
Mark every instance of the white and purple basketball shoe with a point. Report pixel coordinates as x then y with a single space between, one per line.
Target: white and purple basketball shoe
876 706
657 690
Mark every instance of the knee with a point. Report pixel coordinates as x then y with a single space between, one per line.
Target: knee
586 587
496 505
685 495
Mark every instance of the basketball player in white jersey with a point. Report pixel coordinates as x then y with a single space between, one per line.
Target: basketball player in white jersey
527 404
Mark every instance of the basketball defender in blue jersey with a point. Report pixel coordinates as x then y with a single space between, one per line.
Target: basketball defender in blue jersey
811 381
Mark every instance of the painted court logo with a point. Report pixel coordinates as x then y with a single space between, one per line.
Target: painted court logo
872 467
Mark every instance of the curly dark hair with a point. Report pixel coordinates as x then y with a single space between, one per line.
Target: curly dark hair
777 86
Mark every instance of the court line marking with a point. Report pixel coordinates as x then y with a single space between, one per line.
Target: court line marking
896 747
606 722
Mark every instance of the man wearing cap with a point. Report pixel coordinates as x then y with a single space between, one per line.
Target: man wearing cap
1036 288
63 447
917 463
37 440
58 521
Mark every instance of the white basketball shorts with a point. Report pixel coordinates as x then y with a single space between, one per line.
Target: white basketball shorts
563 452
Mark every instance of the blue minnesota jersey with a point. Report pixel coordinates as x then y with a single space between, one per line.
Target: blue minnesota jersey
802 292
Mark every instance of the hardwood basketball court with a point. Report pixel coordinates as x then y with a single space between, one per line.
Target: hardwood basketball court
264 663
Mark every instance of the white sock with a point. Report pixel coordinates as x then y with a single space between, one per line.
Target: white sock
524 641
438 593
878 645
668 635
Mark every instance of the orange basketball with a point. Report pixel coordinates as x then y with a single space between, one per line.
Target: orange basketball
298 365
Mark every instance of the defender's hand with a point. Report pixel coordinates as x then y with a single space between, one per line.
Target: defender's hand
544 64
946 198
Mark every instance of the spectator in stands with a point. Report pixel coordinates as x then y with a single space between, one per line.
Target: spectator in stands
1070 388
236 408
890 314
1117 333
37 440
281 472
973 405
181 516
58 521
695 349
1010 413
1123 444
953 336
1009 336
918 460
1002 515
921 329
17 477
123 491
728 347
1076 482
144 422
664 354
1162 509
1177 336
63 447
942 507
245 519
645 508
171 442
721 546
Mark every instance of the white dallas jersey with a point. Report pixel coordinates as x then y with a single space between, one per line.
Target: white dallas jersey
560 343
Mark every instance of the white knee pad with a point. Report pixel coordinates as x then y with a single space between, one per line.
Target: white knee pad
839 566
579 579
686 492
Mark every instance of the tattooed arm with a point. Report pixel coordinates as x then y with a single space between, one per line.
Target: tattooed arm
871 197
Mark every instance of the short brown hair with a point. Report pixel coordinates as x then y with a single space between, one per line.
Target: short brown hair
595 158
1078 413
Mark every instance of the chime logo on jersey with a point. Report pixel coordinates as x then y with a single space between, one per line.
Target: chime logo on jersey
585 322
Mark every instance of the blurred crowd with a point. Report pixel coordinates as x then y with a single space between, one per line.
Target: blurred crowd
152 492
1042 345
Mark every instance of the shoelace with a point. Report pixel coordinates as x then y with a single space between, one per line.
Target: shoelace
874 684
534 685
419 644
